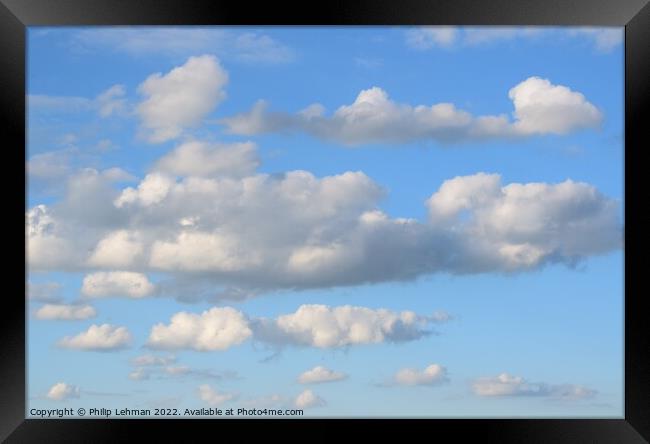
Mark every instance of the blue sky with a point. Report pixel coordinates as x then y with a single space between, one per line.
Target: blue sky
154 194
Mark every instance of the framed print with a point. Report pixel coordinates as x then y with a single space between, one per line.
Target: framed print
358 214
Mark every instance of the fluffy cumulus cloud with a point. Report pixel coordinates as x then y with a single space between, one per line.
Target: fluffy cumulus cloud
238 233
322 326
216 329
540 107
524 225
181 98
116 283
308 399
103 337
543 108
117 249
318 326
214 397
62 391
65 312
509 385
431 375
320 374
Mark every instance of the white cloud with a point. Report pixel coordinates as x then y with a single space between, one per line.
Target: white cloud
201 159
540 107
525 224
103 337
62 391
118 249
431 375
116 283
308 399
65 312
544 108
320 374
249 46
604 39
214 397
236 237
318 326
200 251
153 189
216 329
46 248
509 385
427 37
324 327
181 98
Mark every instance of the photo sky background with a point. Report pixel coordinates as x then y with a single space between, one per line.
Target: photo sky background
552 325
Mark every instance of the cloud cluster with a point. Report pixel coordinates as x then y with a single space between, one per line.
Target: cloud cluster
317 326
431 375
320 374
239 234
540 107
62 391
322 326
181 98
65 312
509 385
103 337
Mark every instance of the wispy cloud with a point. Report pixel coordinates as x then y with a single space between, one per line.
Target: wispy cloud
248 46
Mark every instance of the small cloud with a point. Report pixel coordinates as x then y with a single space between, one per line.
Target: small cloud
509 385
320 374
103 337
434 374
62 391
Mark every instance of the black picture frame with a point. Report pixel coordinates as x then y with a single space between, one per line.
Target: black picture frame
16 15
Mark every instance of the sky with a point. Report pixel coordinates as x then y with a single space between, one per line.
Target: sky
353 222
